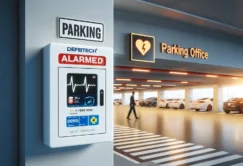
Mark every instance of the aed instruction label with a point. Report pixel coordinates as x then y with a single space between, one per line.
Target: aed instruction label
80 110
76 121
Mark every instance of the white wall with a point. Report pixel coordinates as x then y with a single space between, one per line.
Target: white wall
38 28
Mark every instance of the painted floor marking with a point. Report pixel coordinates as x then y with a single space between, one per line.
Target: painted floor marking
140 146
170 152
161 149
183 155
218 161
193 159
147 143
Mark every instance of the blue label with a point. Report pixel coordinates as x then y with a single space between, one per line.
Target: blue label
93 120
72 121
83 121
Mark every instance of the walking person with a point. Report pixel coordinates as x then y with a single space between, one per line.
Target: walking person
132 107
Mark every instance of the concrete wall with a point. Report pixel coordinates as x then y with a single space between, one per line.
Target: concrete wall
9 84
221 47
39 28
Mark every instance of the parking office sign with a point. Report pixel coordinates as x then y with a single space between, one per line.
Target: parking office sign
80 30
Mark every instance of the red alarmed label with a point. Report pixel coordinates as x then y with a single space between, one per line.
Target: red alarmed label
77 59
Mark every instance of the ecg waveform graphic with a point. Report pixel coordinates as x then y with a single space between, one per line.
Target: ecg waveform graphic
84 84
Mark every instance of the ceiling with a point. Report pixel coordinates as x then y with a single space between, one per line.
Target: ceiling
223 16
220 15
166 79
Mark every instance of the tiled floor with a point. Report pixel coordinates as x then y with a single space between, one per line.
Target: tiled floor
169 137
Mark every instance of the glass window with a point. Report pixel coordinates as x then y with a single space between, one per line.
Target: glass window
202 93
174 94
117 96
150 94
232 92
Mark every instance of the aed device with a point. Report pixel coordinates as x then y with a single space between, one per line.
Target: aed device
78 89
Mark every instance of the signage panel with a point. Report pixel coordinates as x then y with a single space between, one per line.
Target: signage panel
80 30
142 48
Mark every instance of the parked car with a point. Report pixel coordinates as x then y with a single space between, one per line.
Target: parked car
165 103
117 101
204 104
142 102
233 104
137 102
177 103
152 102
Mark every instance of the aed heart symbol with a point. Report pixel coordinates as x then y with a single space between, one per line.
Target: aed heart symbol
143 46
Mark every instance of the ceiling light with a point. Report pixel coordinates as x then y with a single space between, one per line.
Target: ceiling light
211 75
184 82
122 87
180 73
129 88
153 80
145 85
117 89
157 86
123 79
168 85
235 78
140 88
141 70
117 84
131 85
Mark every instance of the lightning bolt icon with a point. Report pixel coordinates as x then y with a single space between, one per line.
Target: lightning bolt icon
144 48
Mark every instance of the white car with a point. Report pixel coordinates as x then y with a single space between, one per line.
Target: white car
204 104
117 101
165 103
137 102
177 103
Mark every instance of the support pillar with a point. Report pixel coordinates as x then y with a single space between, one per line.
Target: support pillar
160 96
215 98
123 98
188 98
140 95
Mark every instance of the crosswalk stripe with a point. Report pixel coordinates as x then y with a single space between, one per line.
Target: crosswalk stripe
118 129
183 155
153 146
142 144
123 134
218 161
161 149
125 130
140 141
180 162
121 126
170 152
133 135
157 149
136 138
239 164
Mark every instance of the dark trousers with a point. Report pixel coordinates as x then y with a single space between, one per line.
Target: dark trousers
132 108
